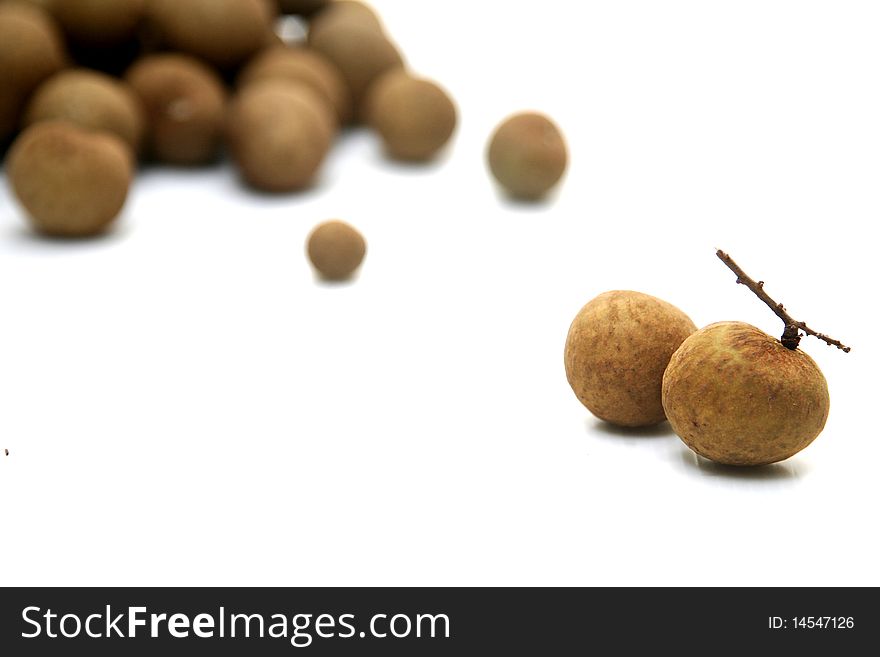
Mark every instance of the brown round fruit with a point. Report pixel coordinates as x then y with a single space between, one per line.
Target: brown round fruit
92 100
303 65
185 104
336 250
72 182
222 32
737 396
617 350
31 50
99 22
362 56
528 156
279 135
414 117
345 11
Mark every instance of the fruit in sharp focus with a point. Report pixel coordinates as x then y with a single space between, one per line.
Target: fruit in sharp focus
185 105
91 100
414 117
336 250
31 50
617 350
72 182
737 396
528 156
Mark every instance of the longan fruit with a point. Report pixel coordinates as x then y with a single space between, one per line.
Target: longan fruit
414 117
72 182
279 134
99 22
102 34
31 50
361 54
185 103
345 11
528 155
336 250
224 33
92 100
617 349
737 396
304 65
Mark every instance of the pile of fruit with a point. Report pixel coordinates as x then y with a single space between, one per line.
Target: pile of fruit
88 88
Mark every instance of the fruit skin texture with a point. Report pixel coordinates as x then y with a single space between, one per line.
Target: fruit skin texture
736 396
336 250
414 117
31 50
528 156
617 349
279 133
185 105
92 100
73 182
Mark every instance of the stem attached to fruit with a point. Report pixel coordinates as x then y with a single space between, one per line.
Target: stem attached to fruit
791 337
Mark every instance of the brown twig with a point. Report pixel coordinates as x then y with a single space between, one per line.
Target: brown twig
791 337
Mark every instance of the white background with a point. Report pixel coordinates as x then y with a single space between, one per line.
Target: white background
185 405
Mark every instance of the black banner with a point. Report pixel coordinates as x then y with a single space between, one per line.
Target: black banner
428 622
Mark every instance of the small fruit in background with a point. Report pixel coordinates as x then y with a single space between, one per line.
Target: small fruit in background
528 156
224 33
361 54
617 349
31 50
185 107
336 250
299 64
414 117
92 100
738 396
352 12
279 134
71 181
98 22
